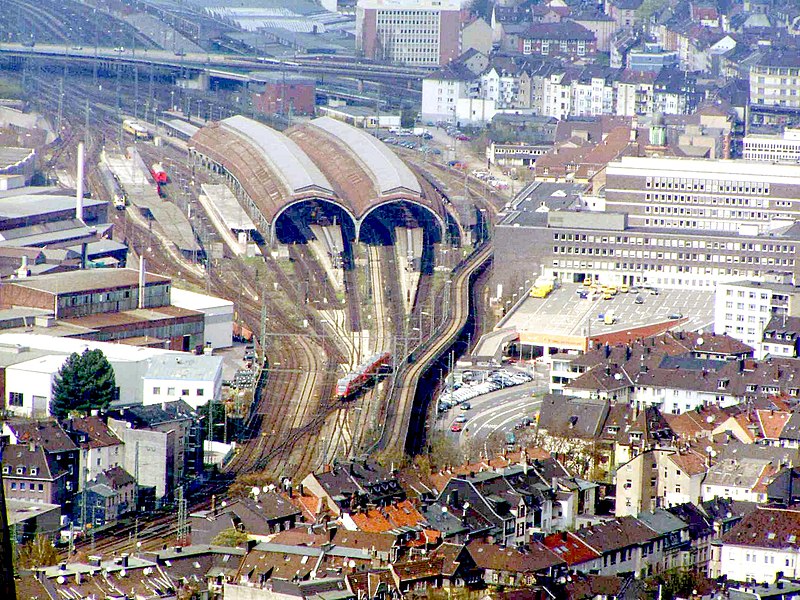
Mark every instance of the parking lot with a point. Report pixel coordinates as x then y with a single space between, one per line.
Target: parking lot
478 384
564 312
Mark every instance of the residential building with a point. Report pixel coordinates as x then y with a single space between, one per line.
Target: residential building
513 567
744 309
565 39
30 475
744 471
775 80
784 148
59 447
442 90
623 12
763 544
100 449
781 337
352 485
163 445
634 93
477 35
600 24
259 517
412 32
109 496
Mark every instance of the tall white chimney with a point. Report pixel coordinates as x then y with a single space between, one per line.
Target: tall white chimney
79 191
141 281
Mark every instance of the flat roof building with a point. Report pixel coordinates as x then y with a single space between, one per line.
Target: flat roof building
714 195
422 33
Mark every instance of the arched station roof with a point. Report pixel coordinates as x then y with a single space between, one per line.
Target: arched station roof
365 171
271 168
325 160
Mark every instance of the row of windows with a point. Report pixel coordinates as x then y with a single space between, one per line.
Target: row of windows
711 185
706 199
171 391
31 486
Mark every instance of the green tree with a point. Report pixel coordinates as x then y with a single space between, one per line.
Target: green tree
231 537
408 117
37 552
84 383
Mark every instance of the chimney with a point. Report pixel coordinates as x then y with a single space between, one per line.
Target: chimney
84 252
141 281
23 270
79 186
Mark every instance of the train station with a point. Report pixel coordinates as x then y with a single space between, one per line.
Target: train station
324 171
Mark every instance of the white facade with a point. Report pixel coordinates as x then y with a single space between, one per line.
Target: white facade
408 31
29 384
472 111
439 98
742 310
194 379
137 371
93 461
773 148
746 563
676 401
556 97
218 314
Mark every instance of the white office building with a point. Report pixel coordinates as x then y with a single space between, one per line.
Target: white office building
783 148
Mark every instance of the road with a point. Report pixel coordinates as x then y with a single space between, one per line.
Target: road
497 411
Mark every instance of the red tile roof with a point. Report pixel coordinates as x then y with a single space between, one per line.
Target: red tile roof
570 548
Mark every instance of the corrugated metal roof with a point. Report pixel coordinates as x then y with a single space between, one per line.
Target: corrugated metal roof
288 160
390 174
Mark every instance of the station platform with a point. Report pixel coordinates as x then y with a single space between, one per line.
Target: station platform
408 254
327 247
229 218
134 177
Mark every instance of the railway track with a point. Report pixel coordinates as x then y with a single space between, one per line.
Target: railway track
398 419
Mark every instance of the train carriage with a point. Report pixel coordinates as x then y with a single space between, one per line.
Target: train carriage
354 381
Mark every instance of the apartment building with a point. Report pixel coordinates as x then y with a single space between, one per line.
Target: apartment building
423 33
743 309
442 90
715 195
775 80
784 148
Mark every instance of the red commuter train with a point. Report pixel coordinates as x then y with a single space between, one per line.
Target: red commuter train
159 174
351 383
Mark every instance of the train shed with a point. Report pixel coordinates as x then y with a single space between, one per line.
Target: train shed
366 172
325 163
267 170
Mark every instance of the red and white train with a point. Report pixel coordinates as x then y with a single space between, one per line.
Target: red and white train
158 173
355 380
